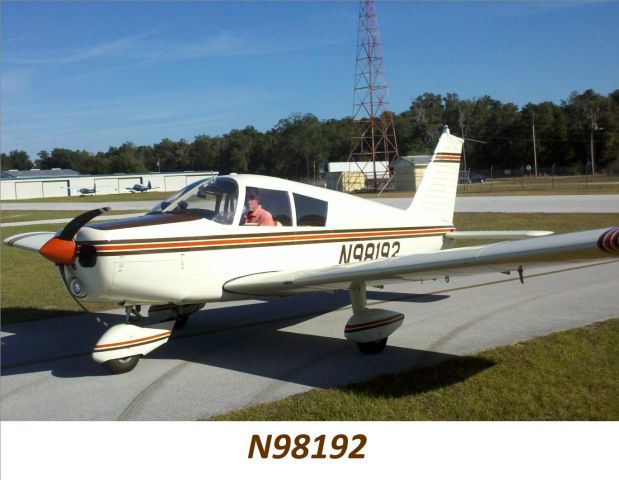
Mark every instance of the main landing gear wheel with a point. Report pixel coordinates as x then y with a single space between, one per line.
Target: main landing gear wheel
372 348
122 365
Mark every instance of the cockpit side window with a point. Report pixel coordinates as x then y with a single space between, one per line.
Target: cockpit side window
311 212
262 202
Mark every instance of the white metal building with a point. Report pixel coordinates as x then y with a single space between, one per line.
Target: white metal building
50 186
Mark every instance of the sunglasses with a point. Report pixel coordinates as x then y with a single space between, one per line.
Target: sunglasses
252 196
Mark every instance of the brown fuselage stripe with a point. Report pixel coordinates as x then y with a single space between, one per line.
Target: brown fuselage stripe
373 324
265 241
133 343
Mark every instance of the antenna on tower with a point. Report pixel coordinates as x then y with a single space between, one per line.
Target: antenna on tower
374 144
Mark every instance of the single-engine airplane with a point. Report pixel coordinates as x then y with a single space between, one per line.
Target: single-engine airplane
247 236
141 188
83 191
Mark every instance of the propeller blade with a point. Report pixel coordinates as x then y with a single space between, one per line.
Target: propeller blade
71 228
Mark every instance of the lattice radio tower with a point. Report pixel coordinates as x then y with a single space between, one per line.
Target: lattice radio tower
373 137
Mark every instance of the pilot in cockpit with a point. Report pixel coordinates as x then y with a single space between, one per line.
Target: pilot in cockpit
254 213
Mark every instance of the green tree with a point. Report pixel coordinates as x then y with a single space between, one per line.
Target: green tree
171 156
125 159
16 160
299 146
237 148
204 153
337 139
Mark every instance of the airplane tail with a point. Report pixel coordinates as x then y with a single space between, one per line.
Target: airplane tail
435 199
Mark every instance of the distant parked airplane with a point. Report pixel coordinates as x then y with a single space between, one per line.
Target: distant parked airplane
141 188
83 190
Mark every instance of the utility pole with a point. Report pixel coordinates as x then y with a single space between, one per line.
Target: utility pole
534 149
593 129
461 120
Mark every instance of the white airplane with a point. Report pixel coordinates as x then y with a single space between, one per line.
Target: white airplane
212 242
138 187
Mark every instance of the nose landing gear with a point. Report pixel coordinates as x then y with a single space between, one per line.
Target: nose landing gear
121 346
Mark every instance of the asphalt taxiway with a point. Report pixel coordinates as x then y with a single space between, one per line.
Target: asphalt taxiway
230 356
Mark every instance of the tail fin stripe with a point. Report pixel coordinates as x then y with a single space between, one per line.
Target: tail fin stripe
447 157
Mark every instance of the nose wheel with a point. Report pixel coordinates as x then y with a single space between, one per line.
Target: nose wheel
122 365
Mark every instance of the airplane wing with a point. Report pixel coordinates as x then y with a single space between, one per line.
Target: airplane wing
497 257
31 241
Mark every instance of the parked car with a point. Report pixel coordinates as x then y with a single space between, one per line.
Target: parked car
467 177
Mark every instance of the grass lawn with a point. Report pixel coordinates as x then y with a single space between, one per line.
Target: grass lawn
30 285
539 187
119 197
569 375
10 216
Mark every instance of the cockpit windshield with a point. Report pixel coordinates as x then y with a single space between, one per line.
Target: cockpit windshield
215 199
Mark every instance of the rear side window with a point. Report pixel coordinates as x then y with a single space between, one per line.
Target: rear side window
311 212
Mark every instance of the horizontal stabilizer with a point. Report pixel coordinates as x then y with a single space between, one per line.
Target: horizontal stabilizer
497 234
32 241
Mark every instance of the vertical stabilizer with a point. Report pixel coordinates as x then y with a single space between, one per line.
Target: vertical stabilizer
436 196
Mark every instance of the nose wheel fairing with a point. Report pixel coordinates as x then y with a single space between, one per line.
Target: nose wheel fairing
128 340
121 346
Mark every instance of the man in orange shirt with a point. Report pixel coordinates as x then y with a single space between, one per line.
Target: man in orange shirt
256 215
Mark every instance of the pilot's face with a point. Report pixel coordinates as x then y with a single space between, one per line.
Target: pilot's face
253 200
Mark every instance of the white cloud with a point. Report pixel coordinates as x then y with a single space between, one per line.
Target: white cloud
144 47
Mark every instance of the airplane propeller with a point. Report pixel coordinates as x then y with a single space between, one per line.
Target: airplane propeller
62 249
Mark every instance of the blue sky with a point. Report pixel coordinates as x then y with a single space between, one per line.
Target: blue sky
89 75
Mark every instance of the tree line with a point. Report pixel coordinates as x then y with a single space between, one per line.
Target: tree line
499 134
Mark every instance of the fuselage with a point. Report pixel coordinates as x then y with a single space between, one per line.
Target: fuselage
186 255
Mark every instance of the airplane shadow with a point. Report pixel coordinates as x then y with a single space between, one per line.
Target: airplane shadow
326 362
248 338
19 315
